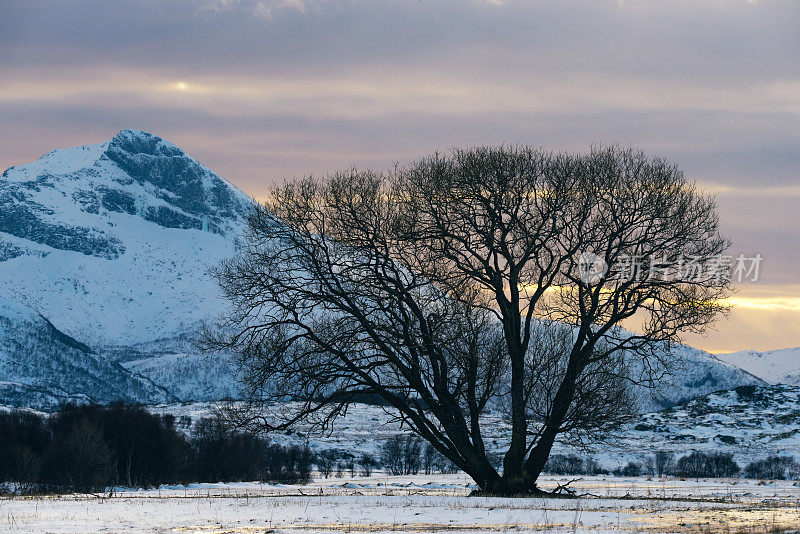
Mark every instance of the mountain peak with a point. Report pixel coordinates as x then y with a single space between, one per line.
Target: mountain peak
112 242
76 198
133 132
141 142
187 194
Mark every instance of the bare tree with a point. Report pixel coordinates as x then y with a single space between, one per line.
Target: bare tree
662 462
326 460
402 455
367 462
461 281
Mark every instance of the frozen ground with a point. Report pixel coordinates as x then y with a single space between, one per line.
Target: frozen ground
751 422
423 503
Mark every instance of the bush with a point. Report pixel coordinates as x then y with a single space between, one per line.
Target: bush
701 465
435 462
773 467
402 455
443 465
367 463
662 463
560 464
632 469
221 454
326 460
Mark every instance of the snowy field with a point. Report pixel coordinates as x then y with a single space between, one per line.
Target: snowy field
423 503
750 424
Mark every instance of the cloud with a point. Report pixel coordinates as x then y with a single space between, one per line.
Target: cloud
749 192
262 90
384 91
762 319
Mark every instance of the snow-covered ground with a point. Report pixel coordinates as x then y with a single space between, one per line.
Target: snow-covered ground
422 503
751 422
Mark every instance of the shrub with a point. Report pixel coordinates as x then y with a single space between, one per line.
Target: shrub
560 464
570 464
773 467
443 465
433 461
350 466
402 455
662 463
367 463
632 469
326 460
701 464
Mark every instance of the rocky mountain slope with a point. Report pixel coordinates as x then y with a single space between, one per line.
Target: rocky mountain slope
692 373
176 365
749 421
41 366
112 242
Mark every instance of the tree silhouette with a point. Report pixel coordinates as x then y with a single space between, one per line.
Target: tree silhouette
485 277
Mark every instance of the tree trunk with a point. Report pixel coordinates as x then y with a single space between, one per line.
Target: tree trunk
522 481
515 456
541 452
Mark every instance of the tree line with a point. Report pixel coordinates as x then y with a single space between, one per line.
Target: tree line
92 448
696 464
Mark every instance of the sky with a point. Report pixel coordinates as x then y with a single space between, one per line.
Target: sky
262 91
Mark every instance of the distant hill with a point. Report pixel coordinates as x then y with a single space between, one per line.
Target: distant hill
751 422
774 366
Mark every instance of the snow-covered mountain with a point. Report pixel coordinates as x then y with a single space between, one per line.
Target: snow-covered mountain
692 373
774 367
112 243
176 365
